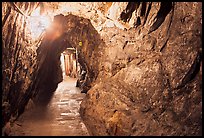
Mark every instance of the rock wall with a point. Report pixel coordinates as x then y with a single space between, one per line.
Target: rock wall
18 58
143 67
153 84
28 63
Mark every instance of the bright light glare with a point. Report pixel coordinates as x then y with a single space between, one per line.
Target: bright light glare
38 23
36 12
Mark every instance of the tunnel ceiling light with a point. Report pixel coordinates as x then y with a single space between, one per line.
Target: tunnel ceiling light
38 23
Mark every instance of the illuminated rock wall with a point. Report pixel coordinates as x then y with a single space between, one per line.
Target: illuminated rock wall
143 75
18 59
155 83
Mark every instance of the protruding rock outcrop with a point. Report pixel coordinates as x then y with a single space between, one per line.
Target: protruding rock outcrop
143 64
155 85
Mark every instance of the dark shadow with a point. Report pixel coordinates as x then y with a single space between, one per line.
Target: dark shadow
66 32
164 10
127 13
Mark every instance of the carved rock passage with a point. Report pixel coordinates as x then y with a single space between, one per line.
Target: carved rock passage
36 71
155 86
73 31
139 83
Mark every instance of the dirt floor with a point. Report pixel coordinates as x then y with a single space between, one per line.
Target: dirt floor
60 118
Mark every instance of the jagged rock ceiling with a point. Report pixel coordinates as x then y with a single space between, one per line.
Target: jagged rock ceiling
143 62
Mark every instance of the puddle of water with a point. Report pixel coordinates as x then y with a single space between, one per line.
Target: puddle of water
65 114
64 100
60 103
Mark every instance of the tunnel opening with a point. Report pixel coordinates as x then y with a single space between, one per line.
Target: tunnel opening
57 56
55 82
72 68
143 68
69 65
64 67
46 72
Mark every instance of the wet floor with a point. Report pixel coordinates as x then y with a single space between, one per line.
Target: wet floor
60 118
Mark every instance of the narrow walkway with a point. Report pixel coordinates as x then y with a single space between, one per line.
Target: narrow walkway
60 118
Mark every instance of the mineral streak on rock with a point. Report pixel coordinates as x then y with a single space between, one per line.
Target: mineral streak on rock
143 77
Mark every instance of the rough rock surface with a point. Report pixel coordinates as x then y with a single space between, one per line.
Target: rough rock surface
18 58
154 85
144 75
32 72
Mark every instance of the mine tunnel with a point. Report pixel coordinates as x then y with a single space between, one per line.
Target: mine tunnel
101 68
